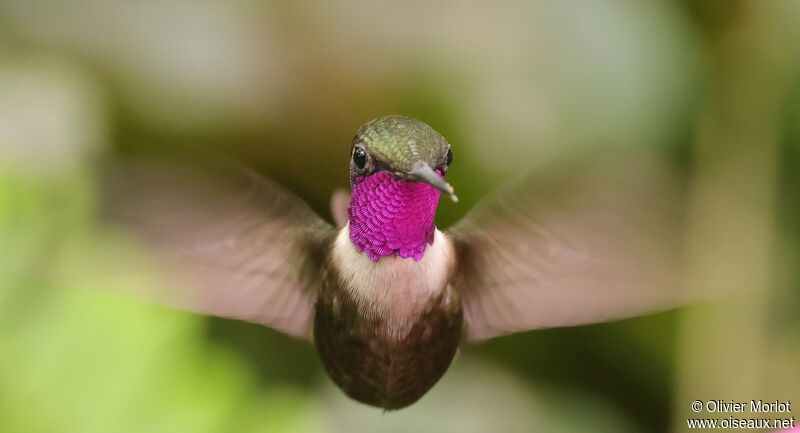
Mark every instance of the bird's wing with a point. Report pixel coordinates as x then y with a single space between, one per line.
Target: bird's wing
592 242
340 200
234 244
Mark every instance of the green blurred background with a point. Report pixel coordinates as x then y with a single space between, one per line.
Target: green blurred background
282 86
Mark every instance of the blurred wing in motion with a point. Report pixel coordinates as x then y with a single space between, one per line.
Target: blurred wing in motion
235 244
340 201
588 243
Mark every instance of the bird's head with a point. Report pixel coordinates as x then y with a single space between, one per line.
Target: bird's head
397 169
404 147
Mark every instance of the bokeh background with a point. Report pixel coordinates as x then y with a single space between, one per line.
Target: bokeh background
282 86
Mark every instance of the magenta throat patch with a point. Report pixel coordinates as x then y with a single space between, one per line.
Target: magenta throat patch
389 216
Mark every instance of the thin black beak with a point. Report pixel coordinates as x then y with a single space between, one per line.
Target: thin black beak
423 172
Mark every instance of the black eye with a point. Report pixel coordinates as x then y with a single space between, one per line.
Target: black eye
449 157
360 157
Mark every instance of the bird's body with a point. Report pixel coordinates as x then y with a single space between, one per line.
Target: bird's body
387 330
388 318
386 296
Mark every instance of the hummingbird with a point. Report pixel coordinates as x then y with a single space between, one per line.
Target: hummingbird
385 295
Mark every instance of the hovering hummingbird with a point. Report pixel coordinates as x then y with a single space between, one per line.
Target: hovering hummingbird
385 296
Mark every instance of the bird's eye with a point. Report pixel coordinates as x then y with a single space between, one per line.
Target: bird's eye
360 157
449 157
